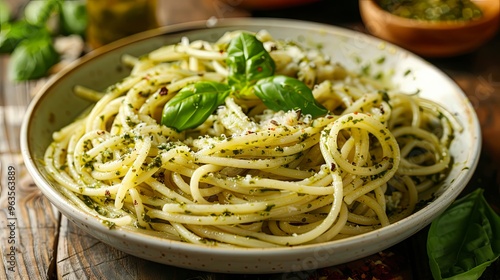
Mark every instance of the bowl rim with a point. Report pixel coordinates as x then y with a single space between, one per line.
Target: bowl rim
403 226
490 9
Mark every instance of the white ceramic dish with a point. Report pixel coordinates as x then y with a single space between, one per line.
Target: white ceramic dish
56 106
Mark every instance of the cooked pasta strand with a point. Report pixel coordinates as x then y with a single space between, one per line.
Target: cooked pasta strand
249 176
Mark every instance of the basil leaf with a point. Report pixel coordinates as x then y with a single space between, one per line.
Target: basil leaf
248 61
73 17
31 59
287 93
465 239
193 104
11 34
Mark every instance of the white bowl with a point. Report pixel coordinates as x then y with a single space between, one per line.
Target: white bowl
56 106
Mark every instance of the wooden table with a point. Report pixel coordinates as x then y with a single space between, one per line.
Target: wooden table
37 242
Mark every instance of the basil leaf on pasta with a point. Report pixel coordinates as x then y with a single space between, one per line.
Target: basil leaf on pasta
465 239
248 61
192 105
287 93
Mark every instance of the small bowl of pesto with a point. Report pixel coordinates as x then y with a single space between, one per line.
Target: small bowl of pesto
433 28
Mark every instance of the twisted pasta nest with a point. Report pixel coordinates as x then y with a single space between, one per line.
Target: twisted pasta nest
249 176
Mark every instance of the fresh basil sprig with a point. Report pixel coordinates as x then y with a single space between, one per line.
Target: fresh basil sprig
20 37
251 70
248 61
73 18
31 59
286 93
11 34
464 240
193 104
71 15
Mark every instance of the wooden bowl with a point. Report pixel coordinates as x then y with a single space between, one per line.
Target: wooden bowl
432 38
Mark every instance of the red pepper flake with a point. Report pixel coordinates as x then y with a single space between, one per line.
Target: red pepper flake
333 166
299 114
163 91
259 69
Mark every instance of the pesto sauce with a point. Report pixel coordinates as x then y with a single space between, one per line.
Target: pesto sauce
433 10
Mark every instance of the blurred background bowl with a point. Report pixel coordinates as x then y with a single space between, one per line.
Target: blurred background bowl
432 38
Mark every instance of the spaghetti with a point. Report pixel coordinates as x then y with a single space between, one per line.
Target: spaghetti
248 176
